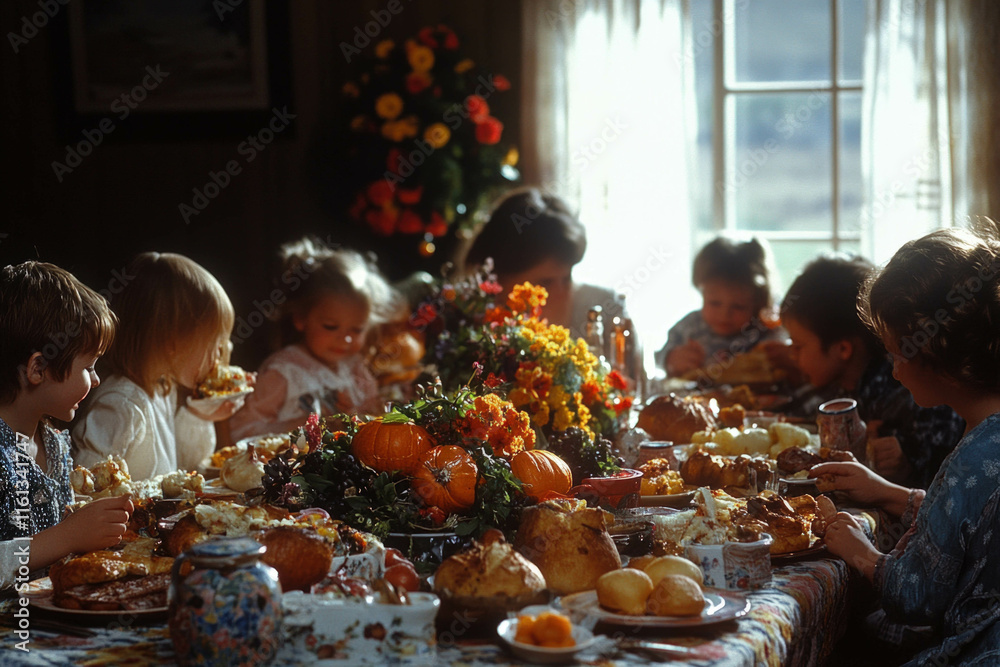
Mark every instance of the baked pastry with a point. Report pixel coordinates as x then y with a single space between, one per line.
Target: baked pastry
131 594
243 471
718 472
676 595
224 381
569 543
664 565
489 578
624 591
301 557
675 419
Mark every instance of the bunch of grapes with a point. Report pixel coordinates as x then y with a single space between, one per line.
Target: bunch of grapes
279 489
586 457
335 476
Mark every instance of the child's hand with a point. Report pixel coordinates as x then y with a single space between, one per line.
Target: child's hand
227 410
861 485
97 525
684 358
845 538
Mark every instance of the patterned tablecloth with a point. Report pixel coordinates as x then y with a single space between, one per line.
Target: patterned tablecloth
796 620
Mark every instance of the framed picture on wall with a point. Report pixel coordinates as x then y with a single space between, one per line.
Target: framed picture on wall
172 70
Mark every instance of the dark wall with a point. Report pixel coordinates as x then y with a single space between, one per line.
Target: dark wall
124 197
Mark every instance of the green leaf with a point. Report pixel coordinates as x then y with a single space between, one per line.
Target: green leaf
395 418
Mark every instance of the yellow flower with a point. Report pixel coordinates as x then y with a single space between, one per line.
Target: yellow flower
464 66
394 130
421 58
351 89
437 135
527 298
511 158
358 123
448 293
389 106
384 48
411 125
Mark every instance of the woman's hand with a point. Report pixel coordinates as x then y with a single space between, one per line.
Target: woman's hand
860 485
97 525
886 458
845 538
685 358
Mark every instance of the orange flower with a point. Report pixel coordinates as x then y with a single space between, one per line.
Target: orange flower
489 131
616 381
380 193
527 298
477 108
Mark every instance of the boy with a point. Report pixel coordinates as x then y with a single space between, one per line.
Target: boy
833 348
52 331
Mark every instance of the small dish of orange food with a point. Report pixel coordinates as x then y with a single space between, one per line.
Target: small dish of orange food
544 638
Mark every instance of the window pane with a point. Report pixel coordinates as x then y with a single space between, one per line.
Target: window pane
778 171
852 39
790 257
776 40
850 163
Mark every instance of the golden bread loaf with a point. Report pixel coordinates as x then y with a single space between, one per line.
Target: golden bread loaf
569 543
491 568
675 419
676 595
624 591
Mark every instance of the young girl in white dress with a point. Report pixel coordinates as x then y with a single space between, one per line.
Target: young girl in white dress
338 296
175 322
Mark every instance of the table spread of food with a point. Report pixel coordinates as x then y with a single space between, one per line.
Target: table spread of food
709 551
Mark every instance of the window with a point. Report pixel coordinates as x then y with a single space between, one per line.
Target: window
779 106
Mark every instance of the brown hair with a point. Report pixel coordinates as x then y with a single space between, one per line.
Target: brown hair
526 228
45 309
313 270
938 302
824 299
169 300
743 264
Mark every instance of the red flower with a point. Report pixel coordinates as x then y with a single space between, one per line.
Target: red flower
435 514
437 227
410 223
492 381
451 41
489 130
616 381
314 434
411 196
380 193
426 313
426 35
500 82
491 287
417 82
383 222
477 108
622 404
590 392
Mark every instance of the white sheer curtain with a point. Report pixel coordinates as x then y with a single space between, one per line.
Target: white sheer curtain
915 122
610 125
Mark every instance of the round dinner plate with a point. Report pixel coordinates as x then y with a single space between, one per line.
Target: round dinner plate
541 655
720 606
210 404
39 594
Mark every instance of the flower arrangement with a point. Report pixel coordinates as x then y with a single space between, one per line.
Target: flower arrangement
420 148
538 366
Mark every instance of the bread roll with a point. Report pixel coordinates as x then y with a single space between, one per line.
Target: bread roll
490 568
676 595
624 591
665 565
569 543
640 562
301 556
675 419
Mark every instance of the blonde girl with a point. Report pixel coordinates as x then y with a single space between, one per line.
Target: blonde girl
175 322
328 316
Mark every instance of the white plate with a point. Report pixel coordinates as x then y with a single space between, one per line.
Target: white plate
39 594
720 606
542 655
207 406
798 481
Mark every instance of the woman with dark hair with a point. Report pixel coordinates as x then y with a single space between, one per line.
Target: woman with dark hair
532 236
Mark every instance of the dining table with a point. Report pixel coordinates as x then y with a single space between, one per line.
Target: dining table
795 619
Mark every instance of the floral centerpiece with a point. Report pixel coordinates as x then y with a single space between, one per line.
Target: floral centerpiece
538 366
419 148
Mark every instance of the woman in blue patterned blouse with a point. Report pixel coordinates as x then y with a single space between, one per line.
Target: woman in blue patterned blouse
936 306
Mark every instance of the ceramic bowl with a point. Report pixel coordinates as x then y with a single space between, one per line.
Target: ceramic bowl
332 631
541 655
734 565
615 492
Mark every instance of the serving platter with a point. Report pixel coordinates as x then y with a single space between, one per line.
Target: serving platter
720 606
676 500
39 593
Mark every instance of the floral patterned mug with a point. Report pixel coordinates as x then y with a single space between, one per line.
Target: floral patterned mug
224 604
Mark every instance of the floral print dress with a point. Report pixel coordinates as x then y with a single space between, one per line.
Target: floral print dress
945 571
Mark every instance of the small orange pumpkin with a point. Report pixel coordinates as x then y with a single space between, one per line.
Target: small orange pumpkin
446 478
541 471
388 446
